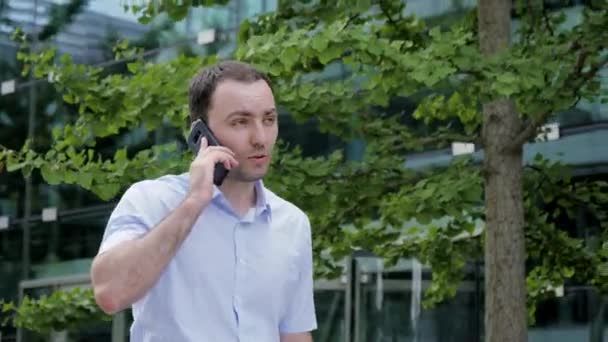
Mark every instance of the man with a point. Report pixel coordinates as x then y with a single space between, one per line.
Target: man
206 264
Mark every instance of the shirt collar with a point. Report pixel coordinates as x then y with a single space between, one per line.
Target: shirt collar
262 206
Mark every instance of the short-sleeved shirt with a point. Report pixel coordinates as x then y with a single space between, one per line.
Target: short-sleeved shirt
233 278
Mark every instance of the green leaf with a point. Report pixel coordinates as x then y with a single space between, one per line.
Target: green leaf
7 307
329 54
106 191
314 189
50 175
85 180
11 167
568 272
289 56
319 43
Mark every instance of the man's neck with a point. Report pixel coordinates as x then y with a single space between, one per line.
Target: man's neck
240 195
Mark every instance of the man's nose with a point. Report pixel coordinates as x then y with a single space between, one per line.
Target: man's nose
258 135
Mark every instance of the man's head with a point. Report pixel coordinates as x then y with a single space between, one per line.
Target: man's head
237 103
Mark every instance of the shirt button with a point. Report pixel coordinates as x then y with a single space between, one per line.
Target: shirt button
242 261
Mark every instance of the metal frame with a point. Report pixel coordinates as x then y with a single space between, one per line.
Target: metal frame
344 285
362 285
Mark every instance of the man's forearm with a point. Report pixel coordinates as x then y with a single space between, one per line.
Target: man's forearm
296 337
126 272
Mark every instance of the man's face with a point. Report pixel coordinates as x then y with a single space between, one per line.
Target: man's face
243 117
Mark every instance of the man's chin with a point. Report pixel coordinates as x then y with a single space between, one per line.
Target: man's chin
248 177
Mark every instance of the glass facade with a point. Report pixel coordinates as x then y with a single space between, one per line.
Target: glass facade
369 303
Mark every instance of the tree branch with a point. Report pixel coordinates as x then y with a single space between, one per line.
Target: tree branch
565 193
387 15
595 68
577 75
542 173
528 30
548 22
531 14
350 19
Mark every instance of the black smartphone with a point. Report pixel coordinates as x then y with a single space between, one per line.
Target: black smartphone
198 131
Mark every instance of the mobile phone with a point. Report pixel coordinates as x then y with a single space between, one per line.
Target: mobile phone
198 131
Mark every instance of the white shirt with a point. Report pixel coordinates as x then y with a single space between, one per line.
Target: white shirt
232 279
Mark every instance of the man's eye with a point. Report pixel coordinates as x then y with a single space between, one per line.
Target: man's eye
239 122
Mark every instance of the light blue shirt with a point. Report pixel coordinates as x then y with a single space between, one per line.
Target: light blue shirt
233 278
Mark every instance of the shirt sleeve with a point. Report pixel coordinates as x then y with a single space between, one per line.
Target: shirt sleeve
300 315
127 221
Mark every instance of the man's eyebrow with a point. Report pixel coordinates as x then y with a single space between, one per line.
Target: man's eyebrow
238 113
247 113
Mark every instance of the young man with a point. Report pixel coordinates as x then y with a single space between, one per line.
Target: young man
206 264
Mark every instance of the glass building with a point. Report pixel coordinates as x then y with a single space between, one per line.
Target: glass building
51 233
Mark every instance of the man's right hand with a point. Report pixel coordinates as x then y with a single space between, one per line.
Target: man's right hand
203 166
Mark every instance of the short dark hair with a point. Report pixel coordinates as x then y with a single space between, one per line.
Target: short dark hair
206 80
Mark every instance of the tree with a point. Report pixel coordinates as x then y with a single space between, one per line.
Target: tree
476 80
505 318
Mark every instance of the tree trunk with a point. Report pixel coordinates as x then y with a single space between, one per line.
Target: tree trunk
505 287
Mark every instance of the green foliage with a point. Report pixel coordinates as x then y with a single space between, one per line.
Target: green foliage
176 10
86 168
62 310
558 258
378 203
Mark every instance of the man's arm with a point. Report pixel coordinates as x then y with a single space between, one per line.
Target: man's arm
298 337
123 274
